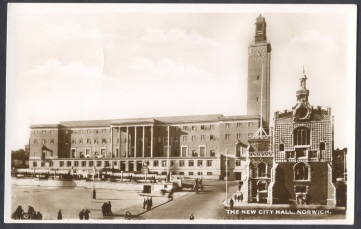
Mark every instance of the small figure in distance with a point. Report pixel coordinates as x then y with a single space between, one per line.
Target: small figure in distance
191 217
86 214
60 216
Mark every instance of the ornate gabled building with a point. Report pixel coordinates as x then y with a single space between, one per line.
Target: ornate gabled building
297 170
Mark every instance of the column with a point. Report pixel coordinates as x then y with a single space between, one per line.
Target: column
111 142
151 141
127 144
143 142
135 166
135 141
127 166
119 137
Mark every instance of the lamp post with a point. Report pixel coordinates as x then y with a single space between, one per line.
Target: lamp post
227 176
94 193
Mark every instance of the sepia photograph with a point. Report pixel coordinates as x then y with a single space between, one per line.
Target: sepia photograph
180 113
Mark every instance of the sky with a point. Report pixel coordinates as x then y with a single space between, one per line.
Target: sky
111 61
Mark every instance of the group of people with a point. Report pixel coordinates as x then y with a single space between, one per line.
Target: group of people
239 197
107 209
84 214
31 214
197 185
148 203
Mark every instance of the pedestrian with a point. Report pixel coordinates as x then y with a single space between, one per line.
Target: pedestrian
31 211
60 216
241 196
191 217
149 206
144 203
235 196
104 209
231 203
19 212
86 214
81 215
110 208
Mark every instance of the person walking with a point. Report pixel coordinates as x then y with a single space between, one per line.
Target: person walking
144 203
241 196
31 211
231 203
60 216
104 209
149 206
109 208
39 216
81 215
86 214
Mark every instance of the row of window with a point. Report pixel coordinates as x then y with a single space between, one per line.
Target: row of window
182 163
322 146
96 131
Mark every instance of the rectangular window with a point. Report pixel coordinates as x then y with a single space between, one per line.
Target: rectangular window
44 132
202 151
88 131
61 163
212 153
290 154
164 163
107 164
181 173
227 136
199 163
200 173
68 164
88 141
35 164
209 173
190 163
95 141
76 163
172 163
202 127
155 163
184 127
250 124
194 153
239 136
238 163
72 141
184 151
91 163
190 173
194 128
301 188
184 138
51 141
35 132
209 163
181 163
202 138
99 163
193 138
96 131
43 141
80 141
42 164
52 132
239 124
211 137
83 164
104 141
228 125
35 141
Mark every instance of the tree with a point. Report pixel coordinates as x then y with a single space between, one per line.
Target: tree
20 155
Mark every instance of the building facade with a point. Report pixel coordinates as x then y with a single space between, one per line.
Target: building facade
190 146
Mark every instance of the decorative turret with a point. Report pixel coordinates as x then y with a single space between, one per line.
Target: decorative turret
302 110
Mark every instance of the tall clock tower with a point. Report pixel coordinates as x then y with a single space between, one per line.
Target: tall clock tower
259 61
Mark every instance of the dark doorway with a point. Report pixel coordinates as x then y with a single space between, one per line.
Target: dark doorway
238 175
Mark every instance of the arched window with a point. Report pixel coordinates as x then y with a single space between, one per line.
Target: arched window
262 170
301 136
262 186
282 147
322 146
301 171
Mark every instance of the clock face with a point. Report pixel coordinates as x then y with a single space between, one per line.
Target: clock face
258 53
301 112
